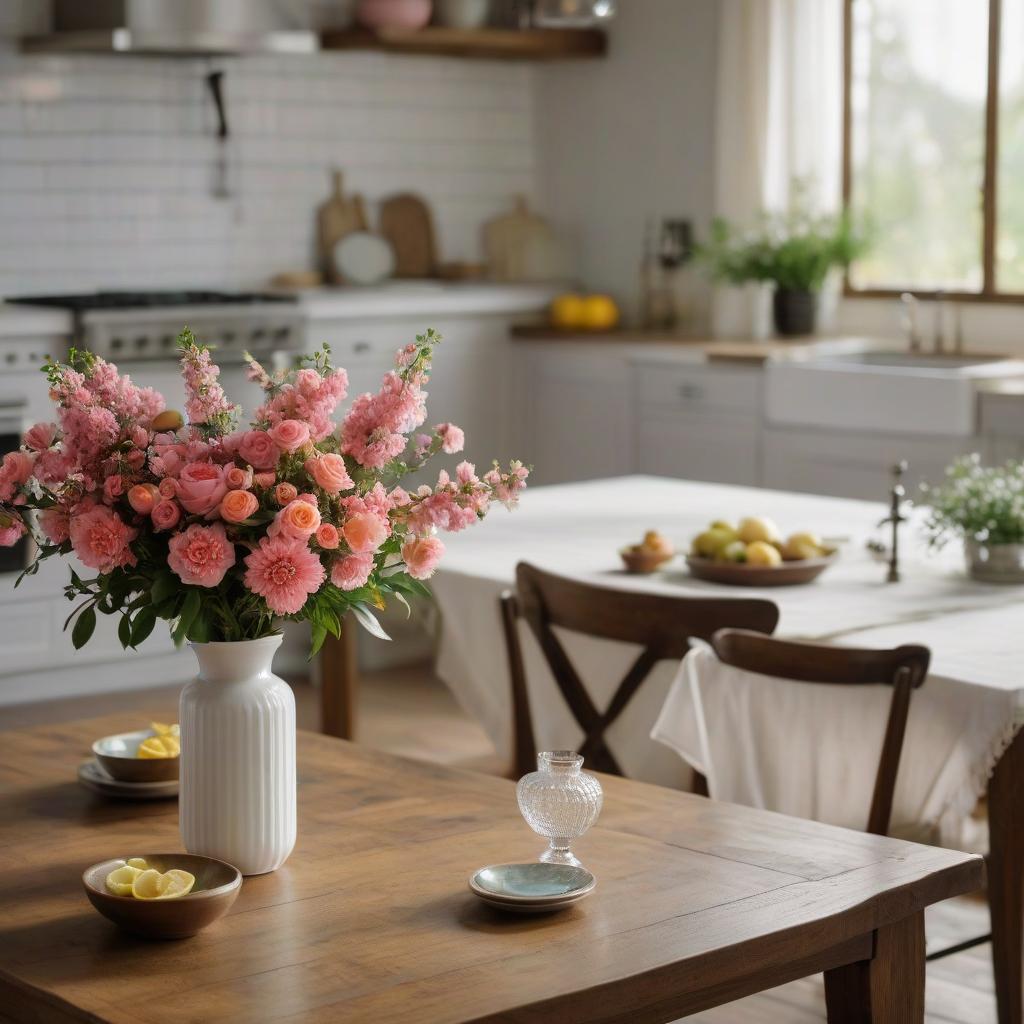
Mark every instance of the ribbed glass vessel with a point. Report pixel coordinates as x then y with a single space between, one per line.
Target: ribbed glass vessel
559 802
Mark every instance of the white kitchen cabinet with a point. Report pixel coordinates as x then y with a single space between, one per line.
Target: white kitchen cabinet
851 464
1002 424
573 411
698 422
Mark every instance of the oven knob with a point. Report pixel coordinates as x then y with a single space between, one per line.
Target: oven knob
11 357
228 337
258 334
116 344
282 334
167 341
141 342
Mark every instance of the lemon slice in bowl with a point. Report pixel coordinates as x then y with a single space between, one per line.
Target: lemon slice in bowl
149 885
179 883
137 862
159 746
121 880
161 729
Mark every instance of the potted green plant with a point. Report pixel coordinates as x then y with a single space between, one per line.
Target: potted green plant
793 251
984 506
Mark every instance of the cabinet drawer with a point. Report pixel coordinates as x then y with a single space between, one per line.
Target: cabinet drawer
698 388
714 448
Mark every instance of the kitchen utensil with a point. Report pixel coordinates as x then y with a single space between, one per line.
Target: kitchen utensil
336 218
93 777
406 223
364 258
119 758
536 888
741 575
408 14
463 14
216 889
520 246
220 189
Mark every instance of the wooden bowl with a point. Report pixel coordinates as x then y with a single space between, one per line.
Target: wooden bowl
642 562
118 757
739 574
217 886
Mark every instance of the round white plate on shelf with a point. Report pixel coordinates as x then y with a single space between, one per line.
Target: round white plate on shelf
364 258
93 777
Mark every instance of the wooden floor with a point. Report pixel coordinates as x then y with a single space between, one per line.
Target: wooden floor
410 712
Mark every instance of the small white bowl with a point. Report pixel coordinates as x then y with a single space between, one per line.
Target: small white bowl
118 755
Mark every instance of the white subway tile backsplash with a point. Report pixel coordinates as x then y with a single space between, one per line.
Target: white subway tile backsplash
107 164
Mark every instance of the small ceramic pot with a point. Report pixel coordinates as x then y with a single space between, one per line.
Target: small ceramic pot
409 14
995 563
795 311
461 13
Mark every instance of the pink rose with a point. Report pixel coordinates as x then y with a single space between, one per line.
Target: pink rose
329 472
113 488
165 515
421 556
290 435
364 532
298 520
352 571
264 479
101 538
258 450
238 505
55 524
140 436
168 488
285 493
41 436
238 479
142 498
327 536
201 487
11 531
201 555
15 469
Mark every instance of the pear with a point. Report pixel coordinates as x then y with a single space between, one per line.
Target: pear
760 552
710 542
801 546
758 528
735 551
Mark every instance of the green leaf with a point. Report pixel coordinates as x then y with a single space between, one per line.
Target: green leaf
190 609
165 586
404 582
143 625
319 636
84 627
199 631
124 631
368 621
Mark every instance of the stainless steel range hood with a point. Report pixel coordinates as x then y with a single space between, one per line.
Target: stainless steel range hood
175 28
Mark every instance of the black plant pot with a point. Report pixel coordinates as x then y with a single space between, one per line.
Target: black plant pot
795 311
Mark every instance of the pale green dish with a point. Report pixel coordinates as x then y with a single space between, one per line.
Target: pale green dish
533 888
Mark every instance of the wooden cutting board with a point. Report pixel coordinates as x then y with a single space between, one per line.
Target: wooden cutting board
336 218
520 246
406 223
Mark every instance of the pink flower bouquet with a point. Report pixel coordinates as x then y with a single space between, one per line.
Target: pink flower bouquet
224 532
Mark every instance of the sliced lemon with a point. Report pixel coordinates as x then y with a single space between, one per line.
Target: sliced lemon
165 730
137 862
149 885
179 883
159 746
121 880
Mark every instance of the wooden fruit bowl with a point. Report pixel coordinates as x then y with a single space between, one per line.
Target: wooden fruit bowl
739 574
642 562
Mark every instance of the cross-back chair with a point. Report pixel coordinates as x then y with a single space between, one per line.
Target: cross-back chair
662 625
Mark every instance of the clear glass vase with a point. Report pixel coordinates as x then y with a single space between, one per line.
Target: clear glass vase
559 802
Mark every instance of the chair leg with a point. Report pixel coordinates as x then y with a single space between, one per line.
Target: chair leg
888 988
1005 879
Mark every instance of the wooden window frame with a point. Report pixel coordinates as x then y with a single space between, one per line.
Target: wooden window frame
989 292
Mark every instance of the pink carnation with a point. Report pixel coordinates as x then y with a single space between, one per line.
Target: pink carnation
41 436
452 437
12 532
421 555
201 555
100 538
352 571
285 572
201 487
55 524
14 471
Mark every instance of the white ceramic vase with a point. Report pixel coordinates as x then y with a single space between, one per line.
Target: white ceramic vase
237 779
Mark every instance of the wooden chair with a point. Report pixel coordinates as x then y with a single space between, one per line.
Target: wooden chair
903 668
662 625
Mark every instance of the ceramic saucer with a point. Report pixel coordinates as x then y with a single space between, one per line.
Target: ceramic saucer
92 776
534 888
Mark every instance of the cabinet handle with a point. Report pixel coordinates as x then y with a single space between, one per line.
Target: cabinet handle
361 346
689 391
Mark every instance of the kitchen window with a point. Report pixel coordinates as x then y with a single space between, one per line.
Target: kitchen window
933 146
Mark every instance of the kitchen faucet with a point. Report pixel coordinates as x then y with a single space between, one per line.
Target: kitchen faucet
908 317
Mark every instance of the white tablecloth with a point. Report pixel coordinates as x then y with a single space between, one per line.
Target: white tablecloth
577 529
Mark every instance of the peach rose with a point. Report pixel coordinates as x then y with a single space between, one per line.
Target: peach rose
421 556
264 479
329 472
165 515
352 571
258 450
201 487
168 487
238 479
285 493
290 435
327 536
238 505
113 488
298 520
364 532
142 498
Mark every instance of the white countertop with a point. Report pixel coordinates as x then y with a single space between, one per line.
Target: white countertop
32 321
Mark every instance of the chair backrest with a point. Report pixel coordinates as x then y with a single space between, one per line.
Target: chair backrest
662 625
902 668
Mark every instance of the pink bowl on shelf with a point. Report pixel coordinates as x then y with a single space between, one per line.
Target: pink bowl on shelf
409 14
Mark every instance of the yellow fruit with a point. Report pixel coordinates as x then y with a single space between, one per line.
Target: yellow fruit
758 528
159 746
138 863
567 311
721 524
169 419
165 730
600 312
121 879
656 542
179 883
149 885
760 552
710 542
736 551
800 546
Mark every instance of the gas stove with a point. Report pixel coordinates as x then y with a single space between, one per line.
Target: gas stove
143 325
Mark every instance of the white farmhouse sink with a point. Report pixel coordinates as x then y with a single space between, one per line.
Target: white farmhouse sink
884 391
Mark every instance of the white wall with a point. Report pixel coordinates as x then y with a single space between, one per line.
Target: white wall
106 163
630 137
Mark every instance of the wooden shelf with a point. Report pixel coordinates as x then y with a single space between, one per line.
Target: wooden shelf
478 43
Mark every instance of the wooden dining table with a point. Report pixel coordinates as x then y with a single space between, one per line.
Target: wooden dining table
697 904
